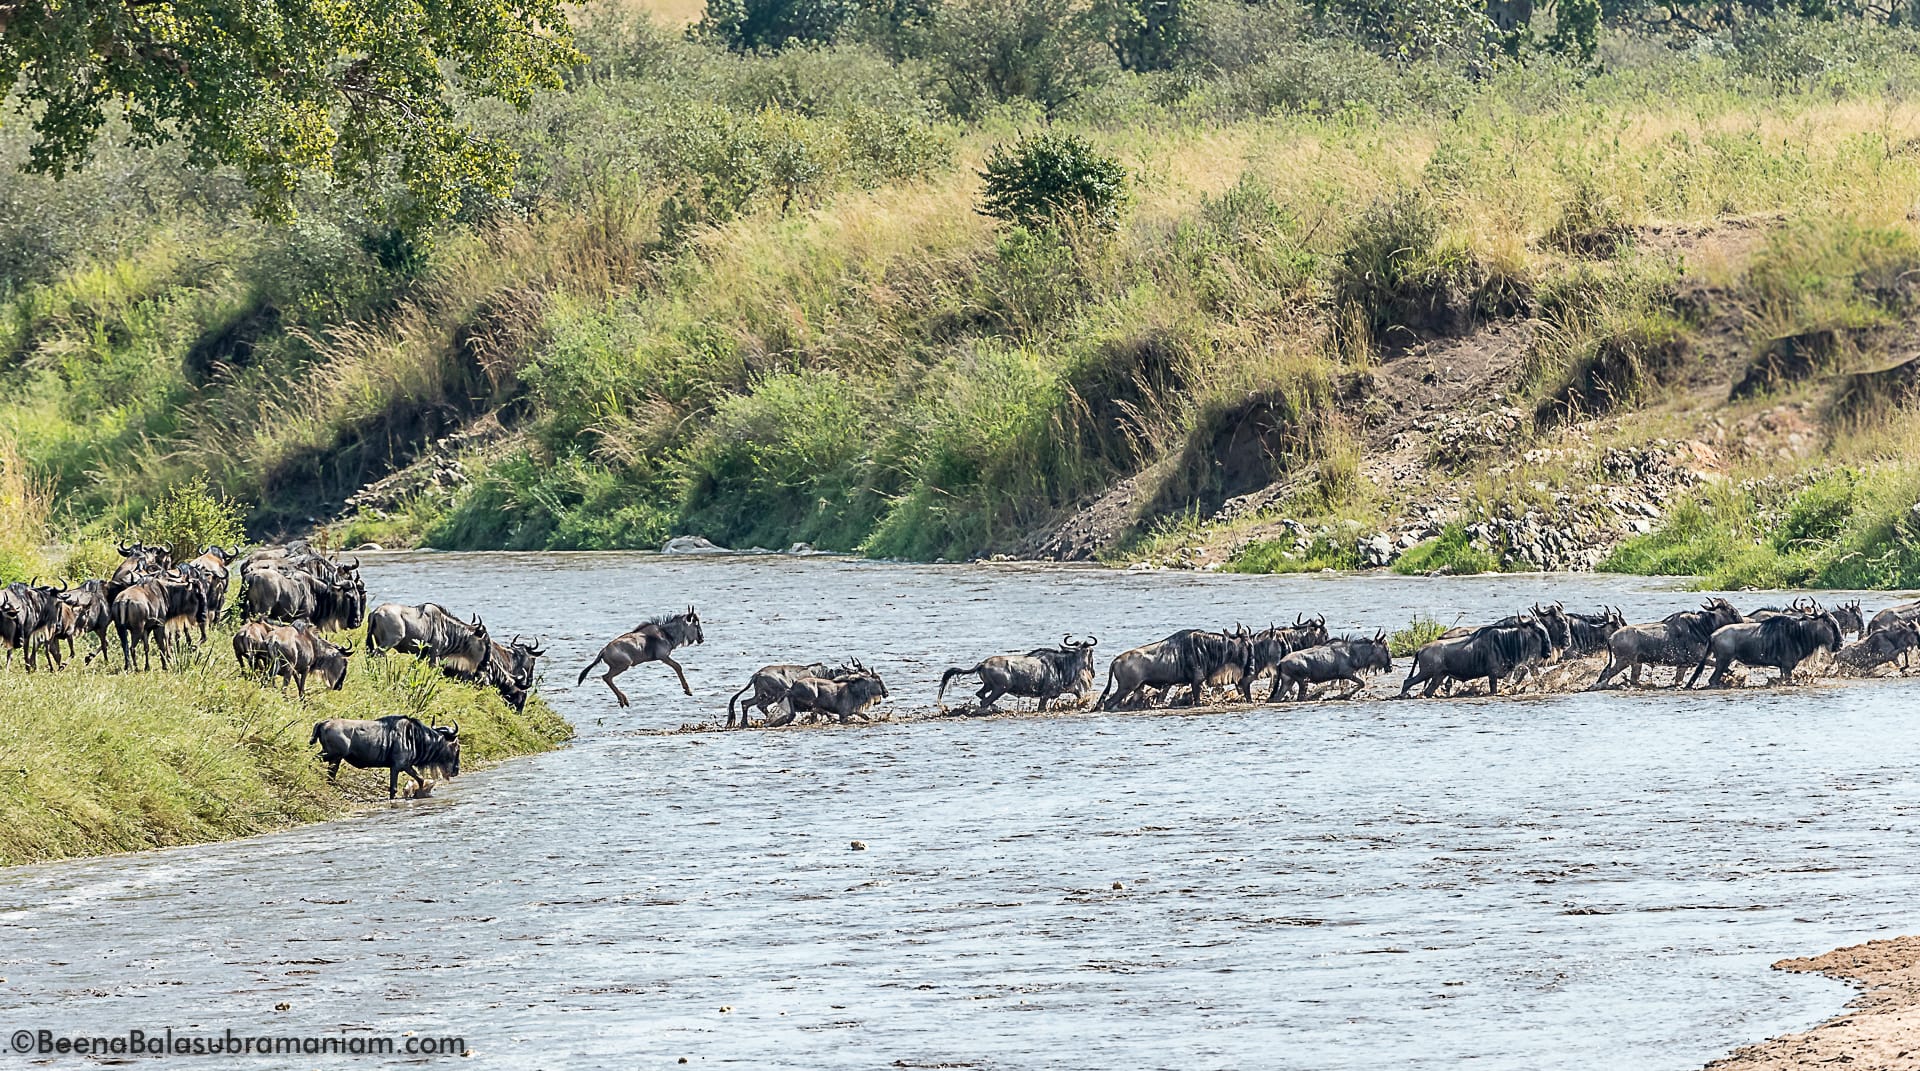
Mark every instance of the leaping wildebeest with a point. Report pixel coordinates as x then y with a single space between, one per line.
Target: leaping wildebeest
1044 673
653 641
397 743
1191 657
1343 659
771 684
1876 649
1679 640
1780 642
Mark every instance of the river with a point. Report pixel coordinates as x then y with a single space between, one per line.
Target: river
1565 881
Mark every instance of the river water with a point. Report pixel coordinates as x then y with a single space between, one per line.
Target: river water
1566 881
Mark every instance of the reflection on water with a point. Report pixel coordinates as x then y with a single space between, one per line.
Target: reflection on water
1559 882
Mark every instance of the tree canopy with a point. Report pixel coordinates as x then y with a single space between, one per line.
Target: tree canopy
362 90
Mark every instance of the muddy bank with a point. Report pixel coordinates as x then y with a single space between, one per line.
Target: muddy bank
1880 1031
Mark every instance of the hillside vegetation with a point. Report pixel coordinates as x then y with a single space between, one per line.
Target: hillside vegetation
1450 289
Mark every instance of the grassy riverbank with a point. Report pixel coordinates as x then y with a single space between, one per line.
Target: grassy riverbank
100 762
1354 290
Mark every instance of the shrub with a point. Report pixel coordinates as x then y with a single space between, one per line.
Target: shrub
1399 276
188 518
1144 35
1419 632
1042 177
1451 553
986 52
750 25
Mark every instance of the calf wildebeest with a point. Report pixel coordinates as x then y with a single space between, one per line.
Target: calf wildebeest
1343 659
1491 651
29 614
1781 642
770 685
461 647
399 744
253 646
1679 640
846 699
1044 673
1266 649
92 612
299 649
1876 649
142 611
1587 634
1191 657
653 641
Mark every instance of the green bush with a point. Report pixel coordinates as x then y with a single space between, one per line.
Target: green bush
189 518
1045 177
987 52
1399 276
1419 632
1278 556
1451 553
750 25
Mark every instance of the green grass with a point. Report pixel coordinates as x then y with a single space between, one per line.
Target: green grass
1419 632
101 762
1451 553
1278 556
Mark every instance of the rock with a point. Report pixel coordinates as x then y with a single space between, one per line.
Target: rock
368 548
802 548
1376 550
859 845
691 545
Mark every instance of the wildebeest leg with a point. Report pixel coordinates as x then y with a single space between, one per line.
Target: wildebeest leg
333 771
1358 686
617 693
990 695
1720 667
668 659
1493 684
1696 672
393 781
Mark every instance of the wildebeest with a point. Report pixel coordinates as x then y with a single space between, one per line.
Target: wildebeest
253 646
295 584
430 631
845 699
1876 649
1044 673
29 615
1191 657
1679 640
397 743
92 612
142 611
1490 651
1343 659
653 641
1266 649
1781 642
137 562
299 649
214 562
1552 617
1587 634
510 670
770 685
1905 611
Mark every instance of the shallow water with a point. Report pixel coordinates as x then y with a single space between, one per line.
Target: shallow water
1558 882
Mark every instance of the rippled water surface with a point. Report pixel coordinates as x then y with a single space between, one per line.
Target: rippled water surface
1561 882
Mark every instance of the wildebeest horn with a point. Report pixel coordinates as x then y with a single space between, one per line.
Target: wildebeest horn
346 648
456 729
1299 619
1066 639
1092 641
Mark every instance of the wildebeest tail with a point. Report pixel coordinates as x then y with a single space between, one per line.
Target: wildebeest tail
315 737
730 702
957 671
587 670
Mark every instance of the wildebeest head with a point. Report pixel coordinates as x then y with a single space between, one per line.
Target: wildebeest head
1850 617
443 755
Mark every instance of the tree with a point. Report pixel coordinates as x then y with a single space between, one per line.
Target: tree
357 89
1043 176
749 25
1145 35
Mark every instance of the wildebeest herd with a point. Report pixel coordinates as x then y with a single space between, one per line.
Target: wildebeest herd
291 597
1190 665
